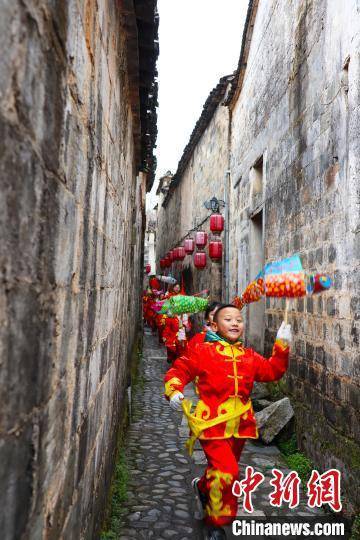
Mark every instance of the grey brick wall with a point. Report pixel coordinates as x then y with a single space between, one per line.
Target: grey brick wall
299 108
71 228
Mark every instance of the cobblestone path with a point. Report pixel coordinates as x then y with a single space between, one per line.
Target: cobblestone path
160 498
160 501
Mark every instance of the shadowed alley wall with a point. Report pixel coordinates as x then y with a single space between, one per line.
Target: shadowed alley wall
71 229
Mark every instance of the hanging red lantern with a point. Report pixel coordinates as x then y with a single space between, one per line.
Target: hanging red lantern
171 255
215 250
148 268
189 246
200 260
162 263
167 261
201 239
181 254
176 254
216 223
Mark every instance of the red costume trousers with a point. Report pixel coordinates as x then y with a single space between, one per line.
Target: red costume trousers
171 355
223 456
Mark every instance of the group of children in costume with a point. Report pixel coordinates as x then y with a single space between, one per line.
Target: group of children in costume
172 330
224 371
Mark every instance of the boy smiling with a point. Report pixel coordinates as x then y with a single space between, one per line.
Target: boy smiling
224 416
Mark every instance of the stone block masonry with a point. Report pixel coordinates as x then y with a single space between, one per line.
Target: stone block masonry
71 229
290 137
304 123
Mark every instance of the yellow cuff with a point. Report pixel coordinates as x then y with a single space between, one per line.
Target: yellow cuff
170 387
283 345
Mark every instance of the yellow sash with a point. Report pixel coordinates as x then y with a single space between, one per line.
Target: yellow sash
198 425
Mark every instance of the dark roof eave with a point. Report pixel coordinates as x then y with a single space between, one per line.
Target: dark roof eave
140 25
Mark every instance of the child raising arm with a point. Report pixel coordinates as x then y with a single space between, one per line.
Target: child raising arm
224 417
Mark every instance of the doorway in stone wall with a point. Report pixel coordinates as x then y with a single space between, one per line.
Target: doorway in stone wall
188 281
256 313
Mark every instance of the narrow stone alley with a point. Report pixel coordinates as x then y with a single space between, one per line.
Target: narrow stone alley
160 501
159 160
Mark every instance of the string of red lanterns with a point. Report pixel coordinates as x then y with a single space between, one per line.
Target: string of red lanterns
200 260
217 223
215 247
215 250
189 246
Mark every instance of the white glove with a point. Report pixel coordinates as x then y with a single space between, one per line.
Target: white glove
185 320
182 334
284 333
175 401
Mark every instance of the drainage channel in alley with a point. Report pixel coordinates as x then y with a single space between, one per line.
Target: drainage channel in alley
159 502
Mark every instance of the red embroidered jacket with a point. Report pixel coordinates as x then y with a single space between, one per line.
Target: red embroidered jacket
170 336
226 374
196 339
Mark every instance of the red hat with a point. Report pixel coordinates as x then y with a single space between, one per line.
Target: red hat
154 283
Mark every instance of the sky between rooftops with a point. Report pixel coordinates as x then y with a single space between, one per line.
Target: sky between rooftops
200 42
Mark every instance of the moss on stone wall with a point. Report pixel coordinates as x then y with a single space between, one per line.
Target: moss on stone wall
119 486
119 489
338 445
278 389
355 532
326 447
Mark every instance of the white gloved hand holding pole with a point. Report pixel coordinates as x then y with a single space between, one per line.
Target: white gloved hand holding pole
284 333
182 334
175 401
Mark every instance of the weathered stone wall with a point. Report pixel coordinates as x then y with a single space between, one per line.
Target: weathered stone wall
70 261
299 109
203 177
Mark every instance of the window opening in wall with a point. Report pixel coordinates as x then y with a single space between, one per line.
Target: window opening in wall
256 313
256 177
345 75
259 164
188 280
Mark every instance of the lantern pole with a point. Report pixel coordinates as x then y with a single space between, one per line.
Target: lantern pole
227 236
214 204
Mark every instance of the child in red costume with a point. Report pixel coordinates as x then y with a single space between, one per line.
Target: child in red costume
145 298
226 372
154 283
160 319
148 299
174 290
155 292
209 314
174 338
200 336
173 333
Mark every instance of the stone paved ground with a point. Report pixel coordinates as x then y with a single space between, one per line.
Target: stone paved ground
160 497
160 502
